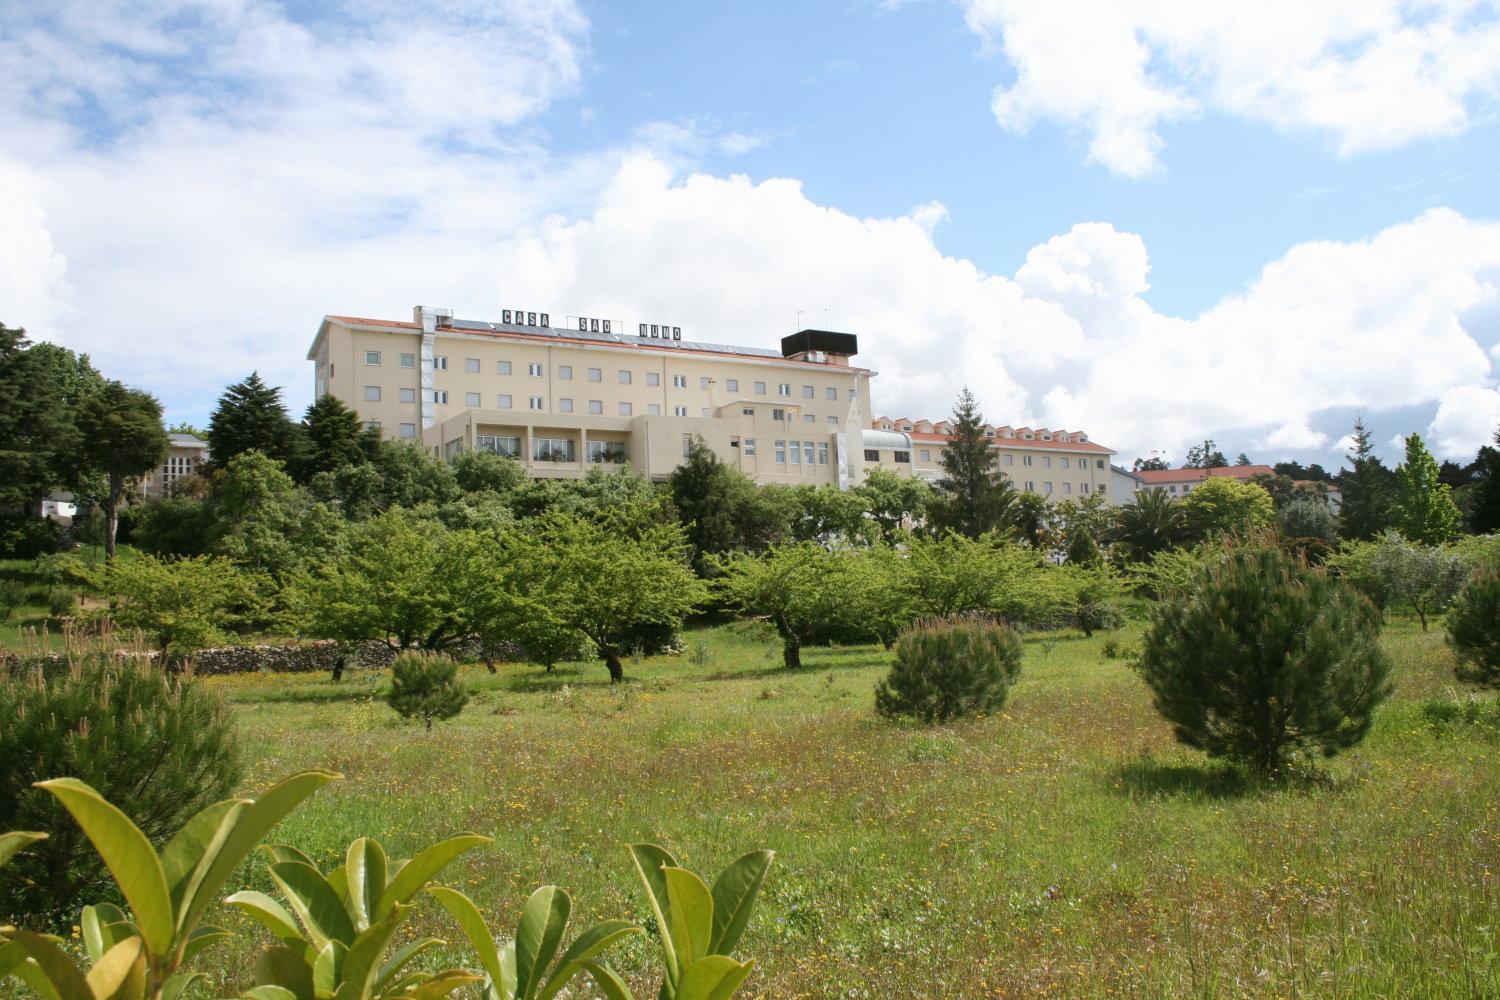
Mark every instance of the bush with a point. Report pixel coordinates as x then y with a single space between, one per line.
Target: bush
14 596
951 667
26 537
158 746
1474 628
59 602
426 687
1265 659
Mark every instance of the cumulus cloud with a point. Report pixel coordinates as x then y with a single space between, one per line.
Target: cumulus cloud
1372 74
1467 418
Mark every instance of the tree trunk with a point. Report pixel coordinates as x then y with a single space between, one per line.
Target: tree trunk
162 659
1421 616
791 652
112 516
612 660
338 669
429 723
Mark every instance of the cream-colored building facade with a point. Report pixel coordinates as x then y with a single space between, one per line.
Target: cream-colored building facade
563 400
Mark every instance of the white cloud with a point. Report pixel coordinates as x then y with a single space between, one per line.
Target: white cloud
31 270
1373 74
1467 417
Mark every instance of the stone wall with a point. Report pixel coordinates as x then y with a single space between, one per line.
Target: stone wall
318 656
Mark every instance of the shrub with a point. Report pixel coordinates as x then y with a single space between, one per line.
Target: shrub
1265 659
951 667
158 746
26 537
426 687
181 603
1474 628
59 602
1308 518
13 597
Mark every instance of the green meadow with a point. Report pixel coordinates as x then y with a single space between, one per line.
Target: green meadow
1064 848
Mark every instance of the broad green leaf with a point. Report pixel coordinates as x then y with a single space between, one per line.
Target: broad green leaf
128 855
121 973
691 914
339 879
441 984
64 977
11 956
364 871
313 900
508 969
588 944
714 977
179 983
202 939
362 963
463 911
97 924
268 913
609 983
538 933
325 969
270 993
420 870
286 852
403 957
734 893
649 861
184 852
249 828
15 841
282 967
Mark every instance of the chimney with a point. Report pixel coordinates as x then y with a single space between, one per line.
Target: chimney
431 318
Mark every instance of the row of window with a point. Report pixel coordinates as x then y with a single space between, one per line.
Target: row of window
504 401
800 452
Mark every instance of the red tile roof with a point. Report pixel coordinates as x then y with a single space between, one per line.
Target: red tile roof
1162 477
1037 443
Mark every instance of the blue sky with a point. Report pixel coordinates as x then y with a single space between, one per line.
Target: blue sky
1151 224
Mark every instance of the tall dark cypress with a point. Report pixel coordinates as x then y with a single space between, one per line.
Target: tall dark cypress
1365 488
251 417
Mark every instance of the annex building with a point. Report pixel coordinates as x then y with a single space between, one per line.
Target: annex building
564 399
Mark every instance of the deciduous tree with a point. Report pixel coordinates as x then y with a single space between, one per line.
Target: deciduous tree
1423 508
120 436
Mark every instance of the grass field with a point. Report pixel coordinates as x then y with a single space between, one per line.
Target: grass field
1066 848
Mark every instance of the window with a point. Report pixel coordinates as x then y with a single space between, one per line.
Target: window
853 393
565 373
750 446
509 447
902 457
926 455
1046 461
1030 486
654 409
440 364
624 377
807 392
408 430
871 455
748 411
830 393
679 381
372 393
1064 462
408 361
372 357
330 369
732 384
472 399
535 402
780 452
612 452
596 406
595 375
760 388
565 406
471 365
653 378
833 420
1067 487
679 411
625 409
809 418
1010 460
1046 487
687 445
1025 459
704 381
503 401
783 389
534 369
502 367
807 452
796 452
406 395
823 453
778 414
1098 463
553 450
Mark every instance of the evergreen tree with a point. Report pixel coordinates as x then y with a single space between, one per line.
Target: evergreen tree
1205 456
120 436
1244 459
1484 510
36 424
1365 488
426 687
250 417
976 497
1153 464
334 438
1423 507
707 494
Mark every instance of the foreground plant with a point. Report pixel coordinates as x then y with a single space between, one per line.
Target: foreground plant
142 954
1474 628
346 922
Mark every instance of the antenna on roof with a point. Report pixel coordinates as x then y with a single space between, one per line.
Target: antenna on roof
799 321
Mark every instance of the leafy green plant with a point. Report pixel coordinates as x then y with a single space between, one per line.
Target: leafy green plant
426 687
59 602
346 922
160 746
142 955
1474 628
13 597
524 968
949 668
698 926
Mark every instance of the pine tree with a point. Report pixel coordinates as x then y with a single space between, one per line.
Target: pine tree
120 436
976 497
1423 507
250 417
1244 459
1484 512
426 687
1365 488
334 438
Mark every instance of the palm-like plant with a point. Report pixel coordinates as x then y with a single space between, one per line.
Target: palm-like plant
1150 523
